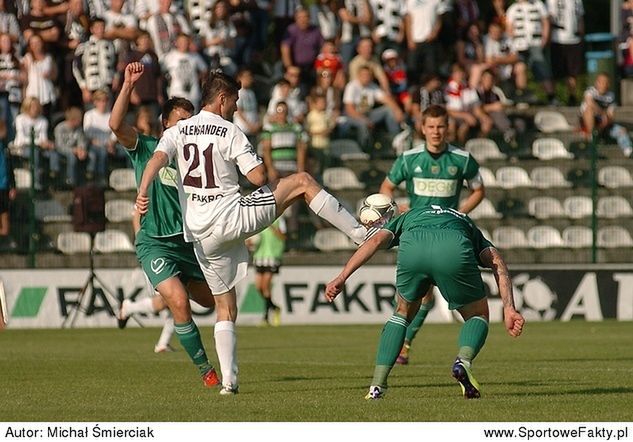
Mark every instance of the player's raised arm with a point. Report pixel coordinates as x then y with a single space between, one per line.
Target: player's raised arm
157 162
124 132
360 257
490 257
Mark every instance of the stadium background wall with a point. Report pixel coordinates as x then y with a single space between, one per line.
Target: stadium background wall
43 298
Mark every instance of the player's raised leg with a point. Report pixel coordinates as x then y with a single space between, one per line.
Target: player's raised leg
302 186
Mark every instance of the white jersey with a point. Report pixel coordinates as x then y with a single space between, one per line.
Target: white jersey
207 149
526 21
565 17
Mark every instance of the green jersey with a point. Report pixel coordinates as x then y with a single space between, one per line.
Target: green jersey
435 179
438 218
271 247
164 217
284 139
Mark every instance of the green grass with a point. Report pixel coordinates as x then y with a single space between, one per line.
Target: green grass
575 371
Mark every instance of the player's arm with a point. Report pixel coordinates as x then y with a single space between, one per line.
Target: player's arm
125 133
257 175
475 197
491 258
360 257
387 188
157 162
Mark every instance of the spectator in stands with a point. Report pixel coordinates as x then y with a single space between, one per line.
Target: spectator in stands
31 119
493 102
504 60
198 14
289 91
9 23
626 17
7 194
367 105
568 29
470 53
164 26
388 31
598 113
356 17
329 60
528 25
246 116
99 135
627 64
496 13
220 39
77 29
319 128
300 47
184 70
283 16
396 72
95 62
423 25
333 94
36 22
10 85
466 13
365 58
464 107
323 14
148 90
429 93
284 151
40 72
241 13
72 145
120 27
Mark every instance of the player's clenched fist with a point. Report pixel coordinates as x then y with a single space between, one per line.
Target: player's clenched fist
133 72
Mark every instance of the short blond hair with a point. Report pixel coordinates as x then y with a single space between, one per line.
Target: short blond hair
26 104
100 93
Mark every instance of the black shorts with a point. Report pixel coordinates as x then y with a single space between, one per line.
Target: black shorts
4 200
267 269
567 60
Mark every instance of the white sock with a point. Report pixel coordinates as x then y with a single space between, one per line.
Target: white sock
328 208
225 347
165 335
143 305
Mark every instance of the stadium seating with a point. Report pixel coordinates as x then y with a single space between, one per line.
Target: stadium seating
614 177
509 237
614 207
488 177
548 121
70 243
542 237
511 177
346 149
614 237
576 237
23 178
340 178
51 211
112 241
545 207
485 210
547 177
119 210
577 207
484 149
550 149
329 240
122 180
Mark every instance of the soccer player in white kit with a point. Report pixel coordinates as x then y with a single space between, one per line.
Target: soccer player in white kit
217 218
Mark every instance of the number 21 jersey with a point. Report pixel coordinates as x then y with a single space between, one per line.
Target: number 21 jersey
207 149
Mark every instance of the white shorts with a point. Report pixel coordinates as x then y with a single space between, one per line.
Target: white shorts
222 255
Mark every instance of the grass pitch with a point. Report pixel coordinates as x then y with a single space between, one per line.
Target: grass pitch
574 371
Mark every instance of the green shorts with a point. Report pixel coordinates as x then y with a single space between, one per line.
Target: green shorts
162 258
442 257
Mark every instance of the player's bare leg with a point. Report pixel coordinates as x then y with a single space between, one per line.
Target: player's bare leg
302 186
471 339
226 340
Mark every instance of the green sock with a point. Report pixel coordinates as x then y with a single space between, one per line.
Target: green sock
389 347
418 320
189 337
472 337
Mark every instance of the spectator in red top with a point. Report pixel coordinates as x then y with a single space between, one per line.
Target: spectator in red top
396 72
329 60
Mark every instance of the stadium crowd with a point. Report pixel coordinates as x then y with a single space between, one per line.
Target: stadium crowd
344 68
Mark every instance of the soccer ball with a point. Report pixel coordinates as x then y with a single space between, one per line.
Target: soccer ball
377 209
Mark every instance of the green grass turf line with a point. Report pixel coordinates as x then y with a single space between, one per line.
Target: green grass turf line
575 371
